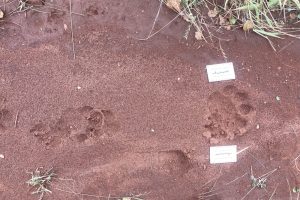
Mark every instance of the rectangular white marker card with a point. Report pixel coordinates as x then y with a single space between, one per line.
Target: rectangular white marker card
220 72
223 154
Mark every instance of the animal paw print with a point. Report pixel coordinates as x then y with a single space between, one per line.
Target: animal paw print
5 115
79 125
92 10
231 114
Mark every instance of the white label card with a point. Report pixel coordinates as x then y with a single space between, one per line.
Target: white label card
223 154
220 72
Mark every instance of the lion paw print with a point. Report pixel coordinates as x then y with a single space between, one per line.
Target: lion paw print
75 124
230 114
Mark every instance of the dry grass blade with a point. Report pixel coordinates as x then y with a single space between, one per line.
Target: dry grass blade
244 149
247 193
156 17
234 180
268 173
260 182
40 181
205 184
263 17
17 119
25 5
286 46
72 33
150 35
296 163
258 161
223 52
273 193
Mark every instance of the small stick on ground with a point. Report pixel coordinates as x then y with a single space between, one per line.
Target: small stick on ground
236 179
256 159
268 173
286 46
166 25
273 193
248 193
211 189
209 182
17 119
295 163
72 33
156 17
222 51
153 34
215 178
244 149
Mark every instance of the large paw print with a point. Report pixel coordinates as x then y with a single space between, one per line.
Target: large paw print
230 114
78 125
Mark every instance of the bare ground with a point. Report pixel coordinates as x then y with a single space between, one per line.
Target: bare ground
128 116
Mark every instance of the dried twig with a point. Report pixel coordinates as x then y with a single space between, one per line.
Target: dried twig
223 52
256 159
17 119
236 179
247 193
273 193
295 163
166 25
286 46
156 17
72 33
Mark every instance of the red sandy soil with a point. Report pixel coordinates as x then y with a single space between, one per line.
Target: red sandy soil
128 116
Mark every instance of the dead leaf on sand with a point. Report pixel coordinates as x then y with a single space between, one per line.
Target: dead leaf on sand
198 35
174 4
222 21
1 14
213 13
248 25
